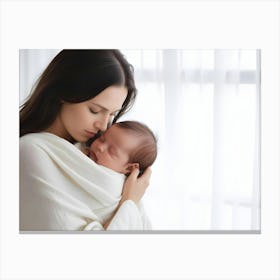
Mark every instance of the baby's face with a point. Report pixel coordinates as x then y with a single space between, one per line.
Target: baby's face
113 148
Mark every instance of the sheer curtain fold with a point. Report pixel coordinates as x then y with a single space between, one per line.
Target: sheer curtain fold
32 63
204 107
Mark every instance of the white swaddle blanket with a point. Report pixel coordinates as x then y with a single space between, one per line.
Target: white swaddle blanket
63 189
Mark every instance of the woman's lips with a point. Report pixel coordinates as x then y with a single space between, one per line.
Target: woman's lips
90 133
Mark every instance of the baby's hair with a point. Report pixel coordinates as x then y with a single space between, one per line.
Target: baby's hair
146 152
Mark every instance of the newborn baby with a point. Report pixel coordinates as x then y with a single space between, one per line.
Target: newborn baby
124 146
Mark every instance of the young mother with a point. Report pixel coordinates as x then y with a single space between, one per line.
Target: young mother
79 94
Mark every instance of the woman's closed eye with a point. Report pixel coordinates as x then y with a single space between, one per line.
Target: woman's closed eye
93 111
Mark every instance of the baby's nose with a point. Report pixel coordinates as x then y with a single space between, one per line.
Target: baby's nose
100 148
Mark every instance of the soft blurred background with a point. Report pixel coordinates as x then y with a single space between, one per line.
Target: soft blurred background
204 107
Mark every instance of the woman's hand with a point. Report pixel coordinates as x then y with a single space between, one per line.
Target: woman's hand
134 187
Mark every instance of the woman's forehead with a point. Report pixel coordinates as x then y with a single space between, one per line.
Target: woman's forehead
111 98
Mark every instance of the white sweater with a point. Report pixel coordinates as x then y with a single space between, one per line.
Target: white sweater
63 189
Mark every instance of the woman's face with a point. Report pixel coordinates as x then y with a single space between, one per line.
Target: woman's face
81 121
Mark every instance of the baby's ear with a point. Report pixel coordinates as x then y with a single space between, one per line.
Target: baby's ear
130 166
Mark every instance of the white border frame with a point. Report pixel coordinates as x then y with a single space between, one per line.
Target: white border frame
94 24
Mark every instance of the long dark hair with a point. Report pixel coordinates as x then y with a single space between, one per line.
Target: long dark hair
75 76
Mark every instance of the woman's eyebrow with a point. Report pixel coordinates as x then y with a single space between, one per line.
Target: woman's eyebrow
104 108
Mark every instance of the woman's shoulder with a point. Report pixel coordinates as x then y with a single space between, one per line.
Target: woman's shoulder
29 148
35 141
45 143
31 139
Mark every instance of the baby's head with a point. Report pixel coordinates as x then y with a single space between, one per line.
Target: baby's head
124 146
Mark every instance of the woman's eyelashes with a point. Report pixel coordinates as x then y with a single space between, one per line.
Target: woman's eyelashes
96 111
93 111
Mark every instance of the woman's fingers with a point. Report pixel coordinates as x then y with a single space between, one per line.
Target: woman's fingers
134 174
134 187
147 174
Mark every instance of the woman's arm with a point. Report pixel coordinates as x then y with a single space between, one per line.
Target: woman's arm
133 190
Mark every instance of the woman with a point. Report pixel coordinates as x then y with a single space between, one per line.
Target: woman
79 94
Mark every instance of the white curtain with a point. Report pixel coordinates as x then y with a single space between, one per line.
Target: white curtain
204 107
32 63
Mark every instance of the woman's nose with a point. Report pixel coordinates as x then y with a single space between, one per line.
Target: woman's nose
102 124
